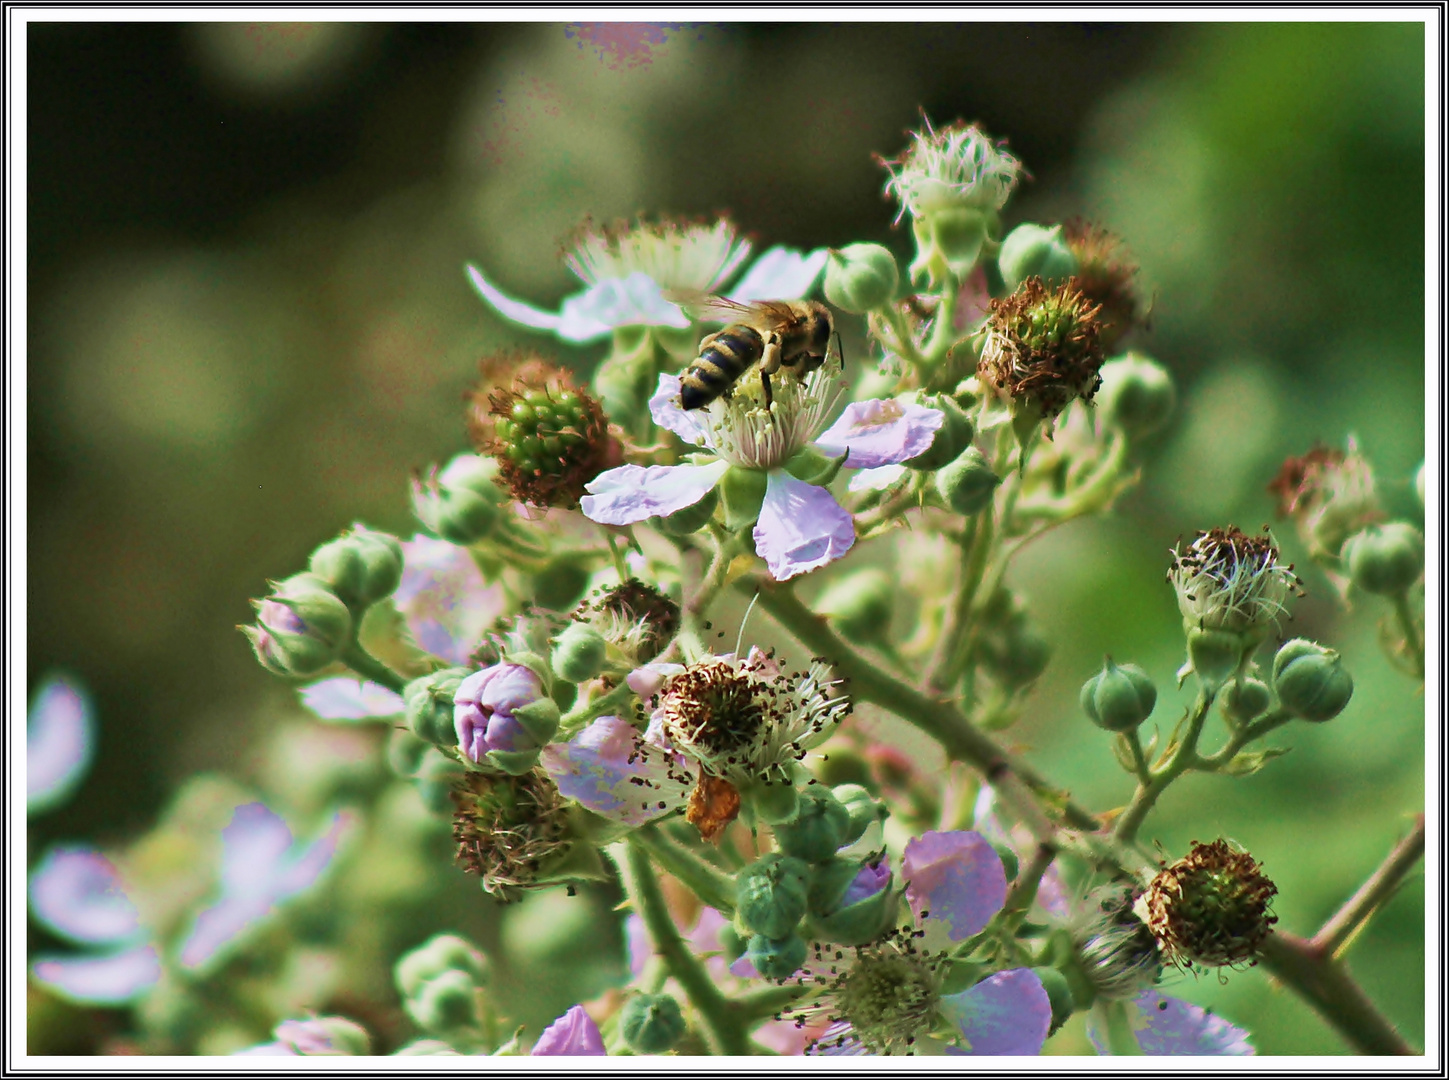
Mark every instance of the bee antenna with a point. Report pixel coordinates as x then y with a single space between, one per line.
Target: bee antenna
739 639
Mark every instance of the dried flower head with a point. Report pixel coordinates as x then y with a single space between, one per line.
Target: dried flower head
1227 580
674 254
1118 951
550 437
507 828
1329 494
958 166
1211 908
748 721
635 617
1105 277
1042 347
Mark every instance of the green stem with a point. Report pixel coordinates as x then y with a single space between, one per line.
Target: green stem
1184 756
1134 743
607 702
1329 989
697 606
369 667
1255 729
940 719
1409 625
1340 929
762 1004
1121 1039
1028 879
904 344
723 1021
706 882
943 332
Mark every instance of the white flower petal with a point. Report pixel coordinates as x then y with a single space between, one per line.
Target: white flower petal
59 742
877 479
664 407
780 274
511 309
444 598
77 893
801 527
881 431
633 493
100 980
348 698
631 301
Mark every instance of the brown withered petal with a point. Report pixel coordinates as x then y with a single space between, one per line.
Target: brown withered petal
713 804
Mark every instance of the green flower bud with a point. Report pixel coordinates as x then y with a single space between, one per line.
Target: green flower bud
770 895
1385 559
462 503
819 828
967 484
1035 251
1059 993
446 1002
439 954
743 493
361 565
690 519
578 653
1137 395
405 752
1310 681
651 1023
772 803
851 901
429 706
301 627
1016 654
859 605
861 277
776 958
1119 698
842 766
1245 699
559 587
953 436
864 810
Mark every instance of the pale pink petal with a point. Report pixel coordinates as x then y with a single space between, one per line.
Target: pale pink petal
801 527
59 742
780 274
881 431
1007 1014
877 479
648 680
100 980
632 493
609 769
667 412
77 893
954 878
634 300
1167 1027
348 698
572 1034
444 599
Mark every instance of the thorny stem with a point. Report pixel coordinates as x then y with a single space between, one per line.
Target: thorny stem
1330 990
1407 624
726 1026
1028 879
580 715
369 667
1338 931
1184 756
705 881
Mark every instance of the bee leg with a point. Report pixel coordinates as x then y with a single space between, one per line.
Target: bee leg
769 394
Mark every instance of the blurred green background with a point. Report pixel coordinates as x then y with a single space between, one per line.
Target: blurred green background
248 324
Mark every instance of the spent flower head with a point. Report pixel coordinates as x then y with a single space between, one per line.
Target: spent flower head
1211 908
509 830
1105 277
550 438
1118 953
1227 580
1042 347
957 167
1329 494
634 617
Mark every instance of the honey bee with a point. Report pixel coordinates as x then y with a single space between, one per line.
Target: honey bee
791 335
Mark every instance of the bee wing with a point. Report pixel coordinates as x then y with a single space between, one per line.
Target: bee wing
706 307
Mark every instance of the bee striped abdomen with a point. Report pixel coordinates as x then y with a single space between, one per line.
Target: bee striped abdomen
727 356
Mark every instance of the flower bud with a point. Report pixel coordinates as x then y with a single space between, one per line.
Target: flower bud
859 605
462 503
770 895
861 277
689 520
776 958
651 1023
502 715
1035 251
864 809
1211 907
1245 699
1059 993
742 491
1119 698
446 1002
578 653
1215 656
819 828
1310 681
967 484
324 1036
1385 559
361 565
405 751
1016 653
429 706
851 903
559 587
1137 395
952 437
301 627
773 803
